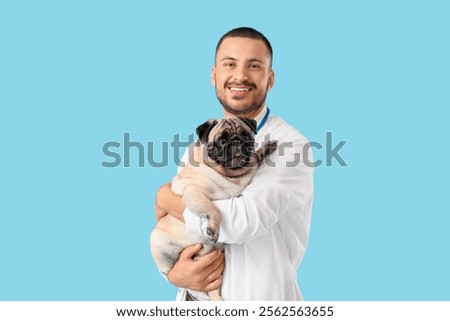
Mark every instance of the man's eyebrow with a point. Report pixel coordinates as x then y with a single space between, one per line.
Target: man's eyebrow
256 60
248 60
227 58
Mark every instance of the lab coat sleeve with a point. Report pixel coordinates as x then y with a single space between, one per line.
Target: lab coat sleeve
282 183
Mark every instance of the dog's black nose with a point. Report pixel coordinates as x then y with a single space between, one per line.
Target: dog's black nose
236 143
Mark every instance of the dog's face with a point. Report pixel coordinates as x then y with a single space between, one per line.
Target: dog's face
228 144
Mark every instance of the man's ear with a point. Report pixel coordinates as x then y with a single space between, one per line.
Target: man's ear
213 76
271 80
204 129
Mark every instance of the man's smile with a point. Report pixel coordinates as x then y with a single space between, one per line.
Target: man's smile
239 91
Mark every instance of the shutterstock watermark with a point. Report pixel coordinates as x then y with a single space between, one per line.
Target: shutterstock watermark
129 153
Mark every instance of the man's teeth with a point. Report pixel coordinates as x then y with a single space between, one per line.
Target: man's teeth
239 89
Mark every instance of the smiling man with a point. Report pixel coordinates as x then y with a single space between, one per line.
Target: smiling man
242 75
266 228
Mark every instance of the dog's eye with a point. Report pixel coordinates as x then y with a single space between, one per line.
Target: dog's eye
223 139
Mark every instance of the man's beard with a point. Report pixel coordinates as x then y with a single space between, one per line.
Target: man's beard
242 111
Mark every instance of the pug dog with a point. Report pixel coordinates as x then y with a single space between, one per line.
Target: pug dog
222 163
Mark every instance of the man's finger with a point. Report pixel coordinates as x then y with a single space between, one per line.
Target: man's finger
214 285
214 270
160 213
190 251
209 258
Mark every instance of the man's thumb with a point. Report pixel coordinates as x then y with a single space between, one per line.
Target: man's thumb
190 251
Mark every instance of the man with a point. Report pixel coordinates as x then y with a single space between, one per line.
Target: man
266 229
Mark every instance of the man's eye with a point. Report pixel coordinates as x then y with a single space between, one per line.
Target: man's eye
228 64
254 66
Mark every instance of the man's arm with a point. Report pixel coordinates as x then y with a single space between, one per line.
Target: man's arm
167 202
204 274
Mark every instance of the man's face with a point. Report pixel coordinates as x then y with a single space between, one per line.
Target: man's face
242 75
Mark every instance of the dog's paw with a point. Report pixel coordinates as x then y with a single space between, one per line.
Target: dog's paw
213 234
271 145
265 150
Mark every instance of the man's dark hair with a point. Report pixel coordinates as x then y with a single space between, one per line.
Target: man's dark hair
247 32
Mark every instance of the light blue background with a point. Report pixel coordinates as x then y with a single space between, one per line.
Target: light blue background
77 74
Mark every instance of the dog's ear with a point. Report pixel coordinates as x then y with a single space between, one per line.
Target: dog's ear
204 129
250 123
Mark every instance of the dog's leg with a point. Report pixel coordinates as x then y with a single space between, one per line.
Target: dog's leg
200 204
214 295
165 252
265 150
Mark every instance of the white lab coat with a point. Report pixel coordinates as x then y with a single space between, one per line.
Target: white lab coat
266 229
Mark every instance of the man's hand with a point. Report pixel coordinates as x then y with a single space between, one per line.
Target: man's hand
204 275
167 202
159 212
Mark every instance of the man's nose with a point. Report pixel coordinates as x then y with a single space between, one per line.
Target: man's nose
241 74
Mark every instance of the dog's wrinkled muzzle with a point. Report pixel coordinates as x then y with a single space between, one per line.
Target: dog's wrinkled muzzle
235 153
